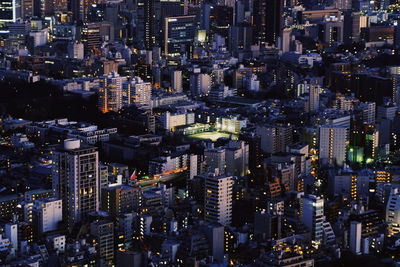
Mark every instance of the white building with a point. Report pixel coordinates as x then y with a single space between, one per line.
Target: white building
75 50
48 214
393 212
313 217
200 84
172 120
166 164
88 133
176 81
40 37
332 144
237 158
11 232
218 199
355 237
76 180
110 92
57 243
138 92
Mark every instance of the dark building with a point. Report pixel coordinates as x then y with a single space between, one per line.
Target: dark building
255 154
267 20
221 18
370 221
267 225
119 199
179 34
148 26
90 37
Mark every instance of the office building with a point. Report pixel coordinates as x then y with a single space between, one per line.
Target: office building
90 37
268 20
275 138
237 158
313 100
149 23
215 159
10 11
179 34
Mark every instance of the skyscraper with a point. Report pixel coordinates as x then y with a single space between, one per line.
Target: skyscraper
332 144
267 20
179 34
10 11
90 37
148 23
75 180
218 199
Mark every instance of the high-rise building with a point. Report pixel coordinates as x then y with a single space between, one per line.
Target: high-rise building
148 23
90 37
110 92
268 225
79 8
218 199
10 11
393 212
11 232
48 214
176 81
119 199
275 138
179 34
313 101
332 144
215 237
103 230
313 216
75 50
268 20
137 92
200 84
75 180
237 158
255 155
27 8
355 237
215 159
